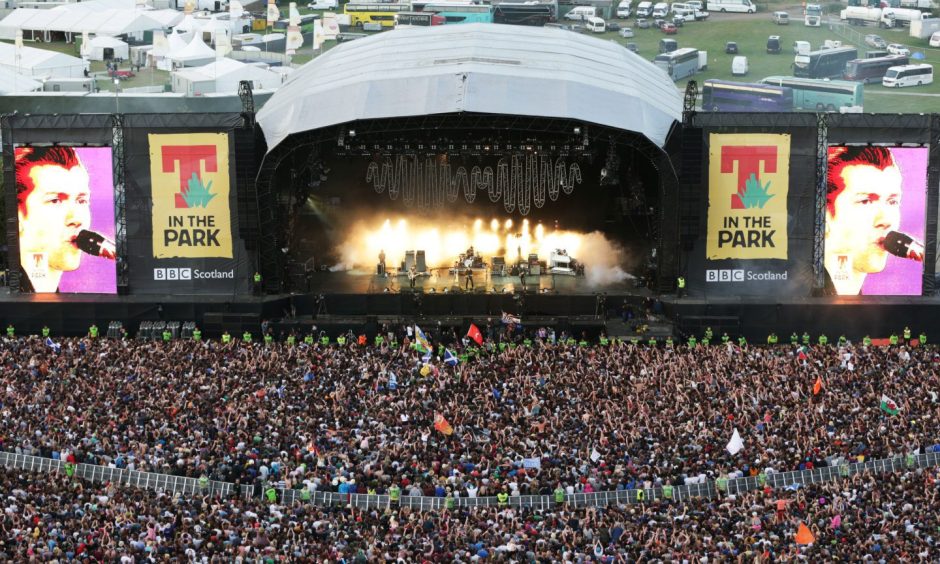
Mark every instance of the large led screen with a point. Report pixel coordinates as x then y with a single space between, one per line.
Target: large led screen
65 212
875 202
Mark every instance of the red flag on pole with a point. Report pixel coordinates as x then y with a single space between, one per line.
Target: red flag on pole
474 333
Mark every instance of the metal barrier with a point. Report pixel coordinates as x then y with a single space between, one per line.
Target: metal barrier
122 476
707 489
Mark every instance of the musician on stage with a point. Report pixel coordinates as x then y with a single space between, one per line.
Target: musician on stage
412 275
468 280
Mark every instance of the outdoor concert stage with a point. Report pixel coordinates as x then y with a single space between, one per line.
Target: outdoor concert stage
338 181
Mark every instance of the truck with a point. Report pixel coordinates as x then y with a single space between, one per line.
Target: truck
922 5
900 17
812 15
859 15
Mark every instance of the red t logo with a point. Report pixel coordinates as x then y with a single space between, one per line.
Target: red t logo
188 158
749 160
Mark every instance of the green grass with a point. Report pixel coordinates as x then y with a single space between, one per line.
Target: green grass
751 34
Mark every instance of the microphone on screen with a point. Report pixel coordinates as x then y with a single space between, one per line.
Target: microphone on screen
95 244
904 246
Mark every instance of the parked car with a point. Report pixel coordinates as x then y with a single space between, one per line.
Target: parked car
678 21
773 44
781 18
626 32
613 26
739 66
643 23
731 48
935 39
658 23
898 49
873 40
633 47
669 28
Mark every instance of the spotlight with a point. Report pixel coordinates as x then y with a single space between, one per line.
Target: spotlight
577 130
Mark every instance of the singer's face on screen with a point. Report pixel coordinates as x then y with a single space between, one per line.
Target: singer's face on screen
54 213
863 213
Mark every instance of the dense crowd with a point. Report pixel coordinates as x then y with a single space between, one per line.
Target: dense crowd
361 419
884 518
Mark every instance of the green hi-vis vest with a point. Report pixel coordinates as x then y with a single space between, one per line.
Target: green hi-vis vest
450 502
291 340
246 336
226 338
45 331
502 498
559 495
203 482
667 492
305 494
692 341
167 336
640 495
197 335
308 339
268 339
341 340
271 494
379 339
93 331
394 493
324 340
866 341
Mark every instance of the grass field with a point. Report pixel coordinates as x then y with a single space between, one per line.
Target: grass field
751 33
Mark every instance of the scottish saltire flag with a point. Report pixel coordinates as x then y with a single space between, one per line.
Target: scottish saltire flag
449 358
426 358
53 345
421 341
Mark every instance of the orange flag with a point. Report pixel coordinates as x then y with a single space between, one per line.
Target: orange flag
442 424
817 387
804 535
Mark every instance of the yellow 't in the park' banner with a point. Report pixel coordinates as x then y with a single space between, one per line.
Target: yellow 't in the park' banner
748 178
190 190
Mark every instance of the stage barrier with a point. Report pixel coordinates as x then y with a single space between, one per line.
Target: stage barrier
707 489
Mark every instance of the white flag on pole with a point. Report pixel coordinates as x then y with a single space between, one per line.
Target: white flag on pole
736 443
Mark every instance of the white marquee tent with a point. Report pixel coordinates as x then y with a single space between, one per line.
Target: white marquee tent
11 82
41 63
100 47
97 18
223 76
195 54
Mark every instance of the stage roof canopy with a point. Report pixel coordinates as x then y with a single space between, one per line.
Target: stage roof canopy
481 68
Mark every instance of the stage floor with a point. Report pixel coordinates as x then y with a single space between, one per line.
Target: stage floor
441 281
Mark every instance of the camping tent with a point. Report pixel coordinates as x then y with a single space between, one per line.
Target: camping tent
223 76
104 48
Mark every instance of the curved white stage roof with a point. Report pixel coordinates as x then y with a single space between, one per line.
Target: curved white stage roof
482 68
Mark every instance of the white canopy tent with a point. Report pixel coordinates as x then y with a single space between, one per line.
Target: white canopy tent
195 54
102 48
494 69
40 63
223 76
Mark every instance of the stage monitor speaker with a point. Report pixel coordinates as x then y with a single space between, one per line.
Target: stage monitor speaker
535 269
533 258
380 269
422 265
409 260
455 289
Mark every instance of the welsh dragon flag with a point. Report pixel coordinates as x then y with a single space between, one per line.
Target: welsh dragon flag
889 406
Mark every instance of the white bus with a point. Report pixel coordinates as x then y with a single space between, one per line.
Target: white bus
908 75
678 64
746 6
